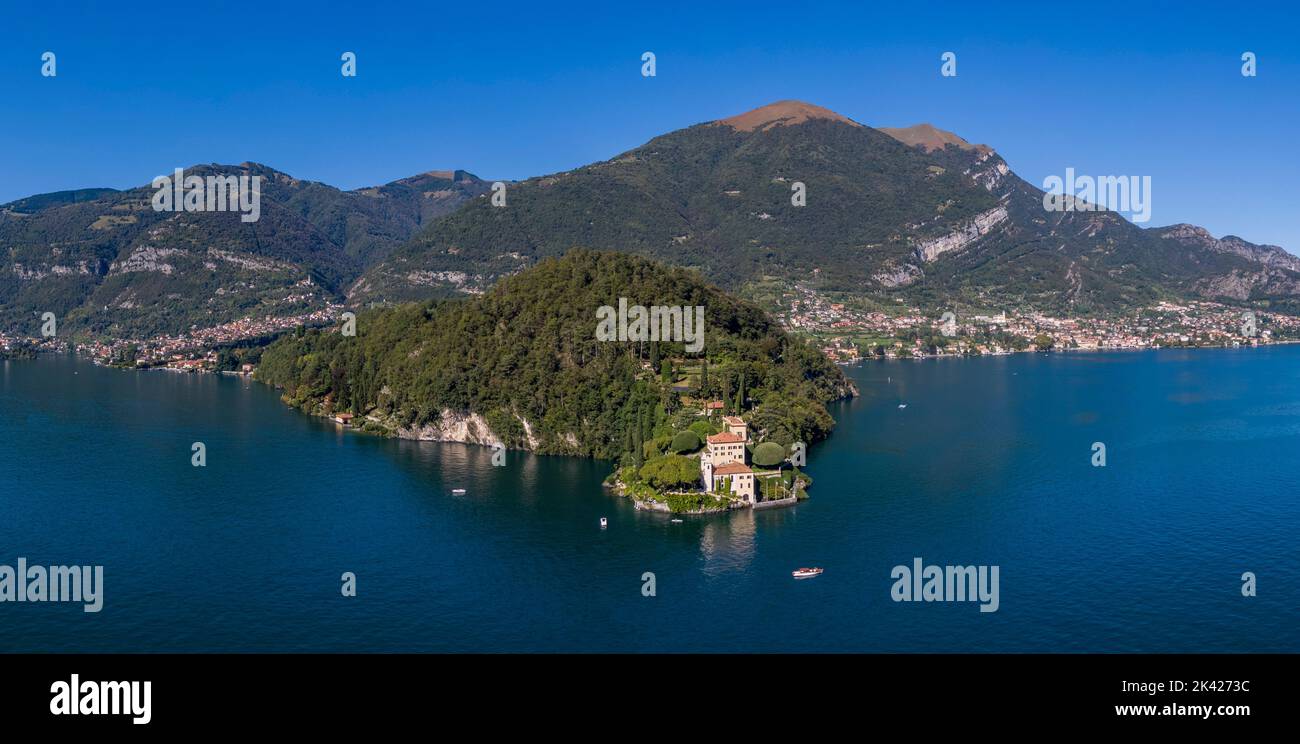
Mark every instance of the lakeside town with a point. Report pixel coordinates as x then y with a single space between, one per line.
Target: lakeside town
847 334
198 350
843 332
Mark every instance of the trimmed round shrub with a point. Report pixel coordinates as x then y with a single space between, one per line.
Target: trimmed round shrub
704 428
769 454
687 441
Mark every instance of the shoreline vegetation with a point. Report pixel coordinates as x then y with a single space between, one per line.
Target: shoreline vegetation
627 478
206 364
845 332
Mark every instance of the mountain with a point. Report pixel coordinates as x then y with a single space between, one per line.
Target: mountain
915 213
1269 266
106 263
522 365
929 138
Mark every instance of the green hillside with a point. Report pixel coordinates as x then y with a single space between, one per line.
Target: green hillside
525 357
107 264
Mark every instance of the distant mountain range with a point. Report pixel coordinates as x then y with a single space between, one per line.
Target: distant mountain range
105 262
916 214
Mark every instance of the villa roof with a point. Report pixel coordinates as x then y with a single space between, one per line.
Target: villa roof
734 420
732 468
725 437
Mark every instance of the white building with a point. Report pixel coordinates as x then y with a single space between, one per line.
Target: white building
723 460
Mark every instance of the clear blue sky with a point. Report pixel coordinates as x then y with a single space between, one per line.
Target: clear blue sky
510 90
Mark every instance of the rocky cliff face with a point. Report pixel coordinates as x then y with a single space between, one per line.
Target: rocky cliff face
453 427
467 428
979 226
1245 285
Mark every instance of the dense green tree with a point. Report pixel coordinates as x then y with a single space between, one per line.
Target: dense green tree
526 351
671 471
687 441
703 428
768 454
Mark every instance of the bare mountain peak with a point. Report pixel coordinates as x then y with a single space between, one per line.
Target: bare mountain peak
456 176
929 137
1185 231
446 175
782 113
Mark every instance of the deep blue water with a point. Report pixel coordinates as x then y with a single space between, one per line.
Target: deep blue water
989 463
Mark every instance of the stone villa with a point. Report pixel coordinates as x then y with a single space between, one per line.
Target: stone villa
723 461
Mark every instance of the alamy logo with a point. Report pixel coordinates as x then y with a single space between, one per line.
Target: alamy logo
49 325
949 68
181 193
921 583
683 324
92 698
948 323
1129 195
1248 324
798 454
25 583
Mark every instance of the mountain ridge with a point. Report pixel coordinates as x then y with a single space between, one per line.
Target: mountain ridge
107 263
913 214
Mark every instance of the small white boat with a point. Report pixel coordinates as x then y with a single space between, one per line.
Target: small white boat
604 523
807 573
677 521
458 491
902 405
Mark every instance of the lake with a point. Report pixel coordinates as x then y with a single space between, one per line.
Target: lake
989 463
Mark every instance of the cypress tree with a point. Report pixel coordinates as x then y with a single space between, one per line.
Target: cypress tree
647 422
627 435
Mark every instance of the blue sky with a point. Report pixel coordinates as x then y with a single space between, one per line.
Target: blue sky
510 90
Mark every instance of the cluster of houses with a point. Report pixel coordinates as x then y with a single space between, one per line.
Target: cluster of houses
190 350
